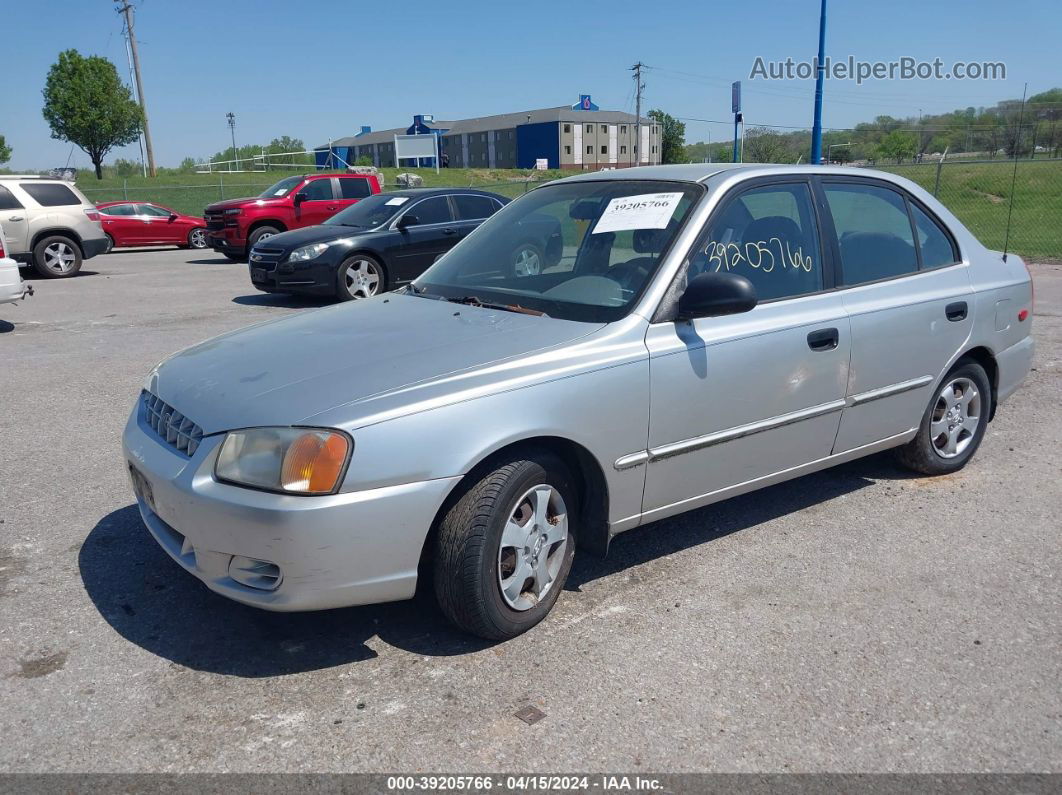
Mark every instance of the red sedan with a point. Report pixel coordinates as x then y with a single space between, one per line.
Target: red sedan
145 224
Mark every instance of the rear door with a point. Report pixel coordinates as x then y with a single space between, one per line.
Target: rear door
13 220
470 210
123 224
909 299
739 398
320 205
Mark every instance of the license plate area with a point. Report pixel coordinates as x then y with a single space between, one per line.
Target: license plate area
142 487
258 274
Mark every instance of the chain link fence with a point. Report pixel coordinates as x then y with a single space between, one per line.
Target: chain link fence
980 194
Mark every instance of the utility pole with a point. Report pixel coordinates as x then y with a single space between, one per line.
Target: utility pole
127 10
232 129
638 86
820 69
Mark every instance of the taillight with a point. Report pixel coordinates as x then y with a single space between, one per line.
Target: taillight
93 215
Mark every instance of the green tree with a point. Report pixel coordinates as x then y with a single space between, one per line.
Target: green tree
85 103
5 151
897 145
126 168
672 137
187 166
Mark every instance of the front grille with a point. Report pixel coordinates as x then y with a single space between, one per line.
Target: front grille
174 428
215 221
262 257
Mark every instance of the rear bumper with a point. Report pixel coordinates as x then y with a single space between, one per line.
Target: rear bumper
1014 364
93 246
12 288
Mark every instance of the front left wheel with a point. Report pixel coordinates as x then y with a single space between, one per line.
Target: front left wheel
360 276
504 549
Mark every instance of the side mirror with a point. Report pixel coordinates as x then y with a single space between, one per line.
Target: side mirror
716 294
173 217
300 197
407 220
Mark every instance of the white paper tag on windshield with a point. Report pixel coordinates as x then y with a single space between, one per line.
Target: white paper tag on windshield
397 200
646 211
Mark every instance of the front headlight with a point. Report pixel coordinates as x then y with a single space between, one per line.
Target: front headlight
292 460
307 252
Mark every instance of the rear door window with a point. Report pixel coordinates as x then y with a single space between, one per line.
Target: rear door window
354 187
118 209
8 200
50 194
873 232
470 208
934 243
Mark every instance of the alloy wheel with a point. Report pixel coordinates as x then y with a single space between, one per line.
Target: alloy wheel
362 278
532 547
527 262
198 238
59 257
956 415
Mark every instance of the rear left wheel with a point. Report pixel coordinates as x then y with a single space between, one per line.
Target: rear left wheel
57 257
954 422
504 550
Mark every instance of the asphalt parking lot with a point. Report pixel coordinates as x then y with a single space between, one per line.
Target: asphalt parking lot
860 619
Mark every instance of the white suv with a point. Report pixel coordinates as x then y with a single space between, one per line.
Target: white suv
49 223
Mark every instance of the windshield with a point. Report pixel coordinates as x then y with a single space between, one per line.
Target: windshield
282 188
370 212
574 250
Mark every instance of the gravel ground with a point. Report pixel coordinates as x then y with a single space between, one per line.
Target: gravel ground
859 619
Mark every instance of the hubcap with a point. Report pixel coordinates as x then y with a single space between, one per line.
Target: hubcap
198 238
59 257
532 547
362 278
955 417
527 262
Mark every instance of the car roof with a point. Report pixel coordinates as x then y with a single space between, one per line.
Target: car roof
416 192
701 172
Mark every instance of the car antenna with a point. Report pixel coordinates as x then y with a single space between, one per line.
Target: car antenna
1014 175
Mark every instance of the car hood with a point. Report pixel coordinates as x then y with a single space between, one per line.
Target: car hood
283 372
313 234
230 203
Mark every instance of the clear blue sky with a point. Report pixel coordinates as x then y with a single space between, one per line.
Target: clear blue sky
322 68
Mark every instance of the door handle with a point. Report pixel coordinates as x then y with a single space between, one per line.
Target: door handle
449 231
824 339
332 208
16 218
956 312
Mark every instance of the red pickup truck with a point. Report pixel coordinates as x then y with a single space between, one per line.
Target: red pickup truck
234 226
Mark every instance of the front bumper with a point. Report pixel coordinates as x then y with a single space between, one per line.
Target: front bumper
339 550
314 277
227 241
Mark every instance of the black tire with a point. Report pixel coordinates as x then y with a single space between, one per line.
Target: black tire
258 234
110 244
346 292
55 249
469 542
926 452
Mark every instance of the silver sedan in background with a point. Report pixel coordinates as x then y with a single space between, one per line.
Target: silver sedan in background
696 332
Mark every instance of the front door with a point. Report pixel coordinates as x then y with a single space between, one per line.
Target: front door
739 398
320 203
910 301
159 227
417 245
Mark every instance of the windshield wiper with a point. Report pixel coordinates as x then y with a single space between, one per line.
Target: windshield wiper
471 300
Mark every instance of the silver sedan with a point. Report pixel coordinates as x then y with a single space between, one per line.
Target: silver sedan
688 333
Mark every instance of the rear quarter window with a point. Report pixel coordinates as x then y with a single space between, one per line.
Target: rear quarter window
8 200
51 194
